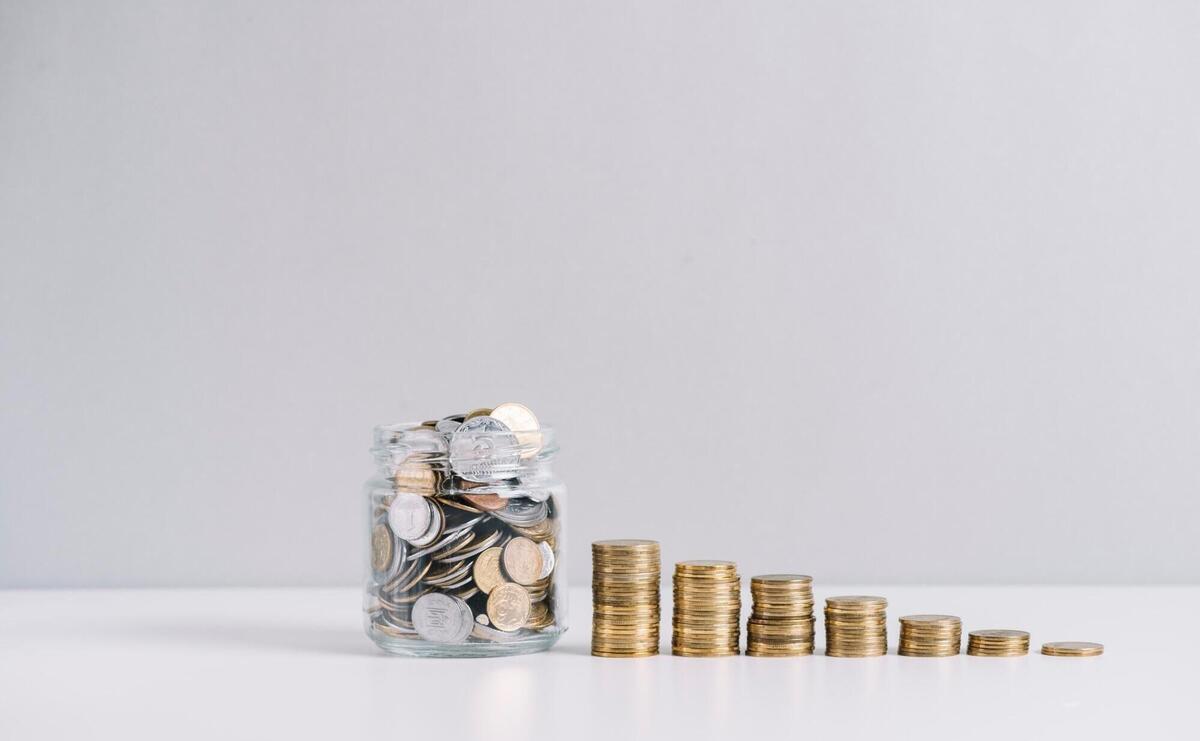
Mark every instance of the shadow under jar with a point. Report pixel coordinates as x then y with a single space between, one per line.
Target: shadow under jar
466 540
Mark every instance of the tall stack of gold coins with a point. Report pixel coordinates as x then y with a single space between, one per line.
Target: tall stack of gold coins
625 597
781 619
1072 648
708 609
997 643
855 626
930 635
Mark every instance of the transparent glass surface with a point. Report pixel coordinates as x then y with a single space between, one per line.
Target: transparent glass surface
466 527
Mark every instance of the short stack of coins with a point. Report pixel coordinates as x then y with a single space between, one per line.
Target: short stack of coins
708 609
930 635
781 617
855 626
997 643
625 597
1072 648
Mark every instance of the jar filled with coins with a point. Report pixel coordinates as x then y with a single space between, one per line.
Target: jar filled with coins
466 536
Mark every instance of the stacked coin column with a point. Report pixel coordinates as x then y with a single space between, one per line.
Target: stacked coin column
998 643
781 619
855 626
708 609
625 598
930 635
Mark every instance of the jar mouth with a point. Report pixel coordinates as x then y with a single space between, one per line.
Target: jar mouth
476 455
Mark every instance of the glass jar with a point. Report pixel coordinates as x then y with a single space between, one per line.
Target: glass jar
466 524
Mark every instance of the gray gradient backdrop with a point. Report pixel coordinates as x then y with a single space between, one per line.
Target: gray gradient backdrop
888 291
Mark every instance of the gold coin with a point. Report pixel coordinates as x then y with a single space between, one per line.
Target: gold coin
1072 648
381 547
925 620
524 425
487 569
508 606
1007 635
779 580
486 502
856 602
418 478
480 412
522 560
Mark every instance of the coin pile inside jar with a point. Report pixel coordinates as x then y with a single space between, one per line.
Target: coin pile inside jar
781 617
1072 648
625 598
464 533
997 643
930 635
855 626
708 609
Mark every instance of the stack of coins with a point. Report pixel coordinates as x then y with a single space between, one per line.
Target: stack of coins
708 609
781 619
855 626
625 597
1072 648
930 635
997 643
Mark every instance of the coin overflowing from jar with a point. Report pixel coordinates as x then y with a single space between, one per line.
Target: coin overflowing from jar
930 635
625 598
781 617
708 609
1072 648
997 643
465 535
855 626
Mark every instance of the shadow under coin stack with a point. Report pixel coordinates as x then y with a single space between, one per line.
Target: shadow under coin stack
855 626
997 643
781 619
708 609
930 635
625 598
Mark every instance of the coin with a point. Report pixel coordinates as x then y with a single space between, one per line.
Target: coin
521 420
548 559
487 570
1072 648
436 521
441 618
448 425
487 502
409 516
418 478
483 449
381 547
508 606
522 560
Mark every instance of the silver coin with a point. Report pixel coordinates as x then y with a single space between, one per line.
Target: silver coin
523 512
485 633
473 550
436 521
409 516
448 425
547 560
441 618
483 450
442 544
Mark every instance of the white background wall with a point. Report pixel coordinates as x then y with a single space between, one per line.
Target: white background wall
888 291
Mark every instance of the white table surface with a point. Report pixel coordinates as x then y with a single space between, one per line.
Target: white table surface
294 663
